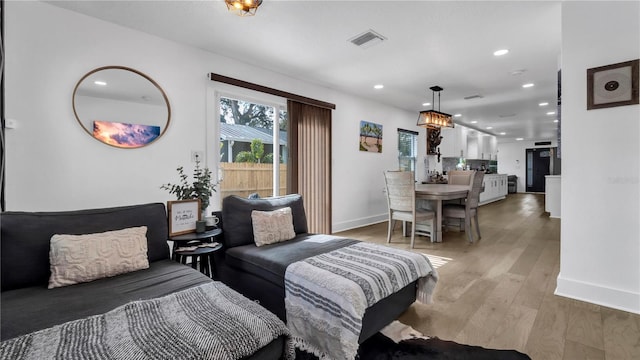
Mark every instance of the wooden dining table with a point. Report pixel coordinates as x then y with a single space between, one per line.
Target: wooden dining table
437 193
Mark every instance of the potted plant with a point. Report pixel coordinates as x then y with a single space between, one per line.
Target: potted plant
201 188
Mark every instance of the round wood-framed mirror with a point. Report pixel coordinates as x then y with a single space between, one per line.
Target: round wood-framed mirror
121 107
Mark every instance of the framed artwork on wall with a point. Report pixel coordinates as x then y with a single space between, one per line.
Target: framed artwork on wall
370 137
183 215
613 85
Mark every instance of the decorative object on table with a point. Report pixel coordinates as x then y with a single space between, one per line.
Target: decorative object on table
201 226
211 221
243 7
370 137
201 188
183 215
432 118
613 85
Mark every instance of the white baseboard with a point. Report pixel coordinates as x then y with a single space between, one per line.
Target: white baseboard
356 223
597 294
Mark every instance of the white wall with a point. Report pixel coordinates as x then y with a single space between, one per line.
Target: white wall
600 236
512 159
52 164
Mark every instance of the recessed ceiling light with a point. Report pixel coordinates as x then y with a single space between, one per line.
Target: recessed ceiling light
500 52
551 113
555 121
101 83
527 85
543 104
503 133
426 104
519 139
379 86
489 127
457 115
474 122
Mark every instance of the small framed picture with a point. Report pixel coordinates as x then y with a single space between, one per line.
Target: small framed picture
183 215
612 85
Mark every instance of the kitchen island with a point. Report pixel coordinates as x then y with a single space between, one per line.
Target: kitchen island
495 188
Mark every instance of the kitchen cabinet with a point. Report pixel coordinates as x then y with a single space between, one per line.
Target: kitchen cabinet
454 142
489 147
495 188
468 143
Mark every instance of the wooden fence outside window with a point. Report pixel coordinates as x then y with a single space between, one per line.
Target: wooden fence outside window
243 179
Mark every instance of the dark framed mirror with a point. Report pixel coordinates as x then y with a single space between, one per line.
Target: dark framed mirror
121 107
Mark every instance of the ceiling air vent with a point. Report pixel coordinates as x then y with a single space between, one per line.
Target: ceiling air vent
540 143
476 96
367 39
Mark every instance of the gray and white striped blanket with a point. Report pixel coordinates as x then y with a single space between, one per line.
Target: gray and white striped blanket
327 295
210 321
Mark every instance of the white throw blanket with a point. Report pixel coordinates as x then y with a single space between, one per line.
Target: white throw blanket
327 294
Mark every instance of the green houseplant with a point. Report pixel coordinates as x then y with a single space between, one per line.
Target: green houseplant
201 188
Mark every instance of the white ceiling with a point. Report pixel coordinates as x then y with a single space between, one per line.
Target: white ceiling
445 43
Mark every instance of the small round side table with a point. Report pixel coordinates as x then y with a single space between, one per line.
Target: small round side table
203 254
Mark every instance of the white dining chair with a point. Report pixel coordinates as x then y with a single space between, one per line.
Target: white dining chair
401 198
468 209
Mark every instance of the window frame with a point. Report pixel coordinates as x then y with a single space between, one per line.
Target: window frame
413 160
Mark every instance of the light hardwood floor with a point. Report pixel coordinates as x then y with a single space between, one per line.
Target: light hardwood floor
498 292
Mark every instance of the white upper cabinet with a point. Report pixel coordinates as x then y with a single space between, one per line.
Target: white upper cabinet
468 143
454 141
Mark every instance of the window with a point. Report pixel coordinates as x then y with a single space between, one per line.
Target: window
407 150
253 152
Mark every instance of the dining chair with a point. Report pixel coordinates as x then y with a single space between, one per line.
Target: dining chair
467 210
459 177
401 198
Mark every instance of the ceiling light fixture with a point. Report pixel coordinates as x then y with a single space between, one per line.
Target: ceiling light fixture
457 115
501 52
432 118
519 139
378 87
503 133
474 122
551 113
426 104
101 83
543 104
243 7
527 85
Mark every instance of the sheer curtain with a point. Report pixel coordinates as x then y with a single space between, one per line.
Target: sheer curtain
310 152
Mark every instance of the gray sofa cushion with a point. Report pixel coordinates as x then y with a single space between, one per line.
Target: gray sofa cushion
270 261
236 215
34 308
26 236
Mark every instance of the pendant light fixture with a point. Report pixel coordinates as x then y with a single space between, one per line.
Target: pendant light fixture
243 7
432 118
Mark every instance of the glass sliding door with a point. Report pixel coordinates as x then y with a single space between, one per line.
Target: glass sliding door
253 148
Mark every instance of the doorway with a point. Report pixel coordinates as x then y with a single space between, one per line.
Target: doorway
538 161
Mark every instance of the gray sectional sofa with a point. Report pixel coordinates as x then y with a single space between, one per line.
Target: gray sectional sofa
27 305
258 272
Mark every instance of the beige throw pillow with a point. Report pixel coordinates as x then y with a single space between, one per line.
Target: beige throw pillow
82 258
270 227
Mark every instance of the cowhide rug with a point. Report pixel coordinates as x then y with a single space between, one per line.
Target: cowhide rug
402 342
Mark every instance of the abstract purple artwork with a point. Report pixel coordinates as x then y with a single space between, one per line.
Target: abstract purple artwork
125 135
